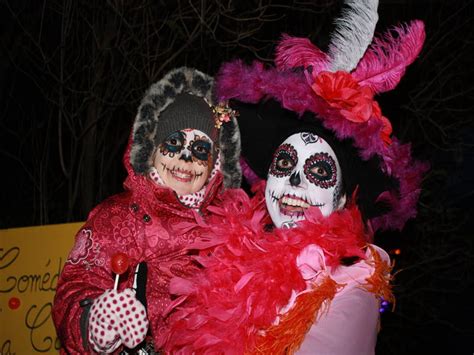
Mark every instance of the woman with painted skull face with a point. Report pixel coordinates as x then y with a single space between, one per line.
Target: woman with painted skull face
313 283
311 169
304 173
175 158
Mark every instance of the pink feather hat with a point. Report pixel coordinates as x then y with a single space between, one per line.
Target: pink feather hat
341 93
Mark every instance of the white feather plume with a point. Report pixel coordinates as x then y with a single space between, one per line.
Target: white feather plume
353 33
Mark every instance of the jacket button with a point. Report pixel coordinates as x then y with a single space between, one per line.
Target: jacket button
134 207
146 218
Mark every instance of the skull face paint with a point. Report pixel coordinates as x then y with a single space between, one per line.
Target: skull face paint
304 172
184 160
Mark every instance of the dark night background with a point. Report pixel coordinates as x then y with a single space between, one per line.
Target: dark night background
72 73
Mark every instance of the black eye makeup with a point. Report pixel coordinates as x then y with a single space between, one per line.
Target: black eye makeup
284 160
173 144
201 149
320 169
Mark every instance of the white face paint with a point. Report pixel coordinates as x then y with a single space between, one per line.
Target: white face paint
184 160
304 172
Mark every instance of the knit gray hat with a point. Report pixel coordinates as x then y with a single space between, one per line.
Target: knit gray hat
187 111
182 100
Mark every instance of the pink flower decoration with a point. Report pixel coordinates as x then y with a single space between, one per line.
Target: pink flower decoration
82 247
225 118
222 113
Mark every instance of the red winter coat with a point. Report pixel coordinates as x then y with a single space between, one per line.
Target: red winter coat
148 223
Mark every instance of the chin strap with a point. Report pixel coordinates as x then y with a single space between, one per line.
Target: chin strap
84 320
139 285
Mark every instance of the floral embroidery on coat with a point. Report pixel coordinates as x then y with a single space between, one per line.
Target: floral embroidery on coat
81 248
86 251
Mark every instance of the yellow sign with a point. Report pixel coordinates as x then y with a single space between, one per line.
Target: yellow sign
31 260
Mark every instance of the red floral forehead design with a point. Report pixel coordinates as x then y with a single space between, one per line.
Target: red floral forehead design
339 87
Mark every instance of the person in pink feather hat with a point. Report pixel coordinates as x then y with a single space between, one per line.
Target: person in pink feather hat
293 269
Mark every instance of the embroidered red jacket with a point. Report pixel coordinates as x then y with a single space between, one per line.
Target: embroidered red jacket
148 223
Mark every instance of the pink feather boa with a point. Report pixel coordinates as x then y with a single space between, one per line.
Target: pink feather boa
250 274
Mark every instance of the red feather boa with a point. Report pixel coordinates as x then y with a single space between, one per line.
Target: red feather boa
251 274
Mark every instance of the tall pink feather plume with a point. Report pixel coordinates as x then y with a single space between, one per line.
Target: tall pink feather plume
384 63
296 51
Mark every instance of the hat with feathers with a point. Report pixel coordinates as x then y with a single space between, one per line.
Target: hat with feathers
337 88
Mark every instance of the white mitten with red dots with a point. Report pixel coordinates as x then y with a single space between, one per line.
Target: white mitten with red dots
117 318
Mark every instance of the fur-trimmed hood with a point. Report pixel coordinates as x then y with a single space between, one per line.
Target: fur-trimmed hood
147 122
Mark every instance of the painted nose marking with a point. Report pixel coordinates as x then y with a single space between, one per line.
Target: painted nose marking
295 179
186 157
